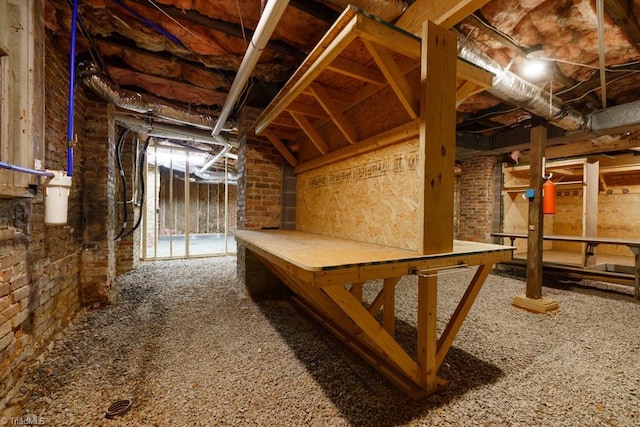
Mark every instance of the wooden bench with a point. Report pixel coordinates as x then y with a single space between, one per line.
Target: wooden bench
319 269
592 243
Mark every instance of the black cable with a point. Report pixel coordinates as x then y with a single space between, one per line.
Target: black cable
123 179
142 189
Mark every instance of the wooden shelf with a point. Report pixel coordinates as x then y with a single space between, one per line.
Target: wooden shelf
358 90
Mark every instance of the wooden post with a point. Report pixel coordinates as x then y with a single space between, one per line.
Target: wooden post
437 138
427 330
533 300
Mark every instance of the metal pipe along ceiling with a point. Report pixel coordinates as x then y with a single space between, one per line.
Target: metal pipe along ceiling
513 89
268 21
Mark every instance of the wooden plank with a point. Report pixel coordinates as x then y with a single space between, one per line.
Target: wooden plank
357 289
389 304
324 260
392 136
357 71
446 13
281 147
314 297
427 329
474 74
334 112
377 302
395 78
536 218
437 139
389 36
339 96
323 54
454 324
307 110
581 239
466 90
311 132
372 329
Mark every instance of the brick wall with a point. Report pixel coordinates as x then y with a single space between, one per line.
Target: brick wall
98 251
476 199
259 206
39 264
127 247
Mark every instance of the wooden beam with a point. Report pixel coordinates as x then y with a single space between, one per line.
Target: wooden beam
373 331
389 304
621 12
465 90
328 49
454 324
536 218
384 139
445 13
437 139
474 74
427 329
281 147
357 71
311 132
357 289
395 78
334 112
389 37
307 110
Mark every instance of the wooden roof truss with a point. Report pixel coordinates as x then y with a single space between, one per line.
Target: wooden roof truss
357 58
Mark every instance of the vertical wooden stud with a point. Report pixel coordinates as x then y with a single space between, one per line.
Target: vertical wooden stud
427 329
437 139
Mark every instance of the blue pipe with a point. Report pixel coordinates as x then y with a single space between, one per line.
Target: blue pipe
150 23
72 84
5 165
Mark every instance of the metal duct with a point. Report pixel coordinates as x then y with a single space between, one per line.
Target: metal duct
162 130
519 92
618 119
91 77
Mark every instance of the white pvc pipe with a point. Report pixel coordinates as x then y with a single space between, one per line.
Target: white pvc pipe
268 21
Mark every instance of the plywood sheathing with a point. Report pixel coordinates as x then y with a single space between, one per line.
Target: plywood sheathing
371 198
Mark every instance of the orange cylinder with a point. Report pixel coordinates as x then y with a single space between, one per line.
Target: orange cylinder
548 197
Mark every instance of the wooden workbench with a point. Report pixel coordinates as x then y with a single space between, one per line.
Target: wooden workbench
589 257
327 275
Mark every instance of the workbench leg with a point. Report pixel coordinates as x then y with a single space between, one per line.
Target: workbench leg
636 252
389 304
357 290
427 329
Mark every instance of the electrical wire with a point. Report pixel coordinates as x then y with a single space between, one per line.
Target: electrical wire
123 179
596 88
142 188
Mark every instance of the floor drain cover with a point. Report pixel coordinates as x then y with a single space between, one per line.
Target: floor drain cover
118 408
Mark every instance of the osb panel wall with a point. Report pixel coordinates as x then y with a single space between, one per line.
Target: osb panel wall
569 217
619 216
370 198
516 220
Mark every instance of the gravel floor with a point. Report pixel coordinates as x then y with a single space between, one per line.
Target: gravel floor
189 350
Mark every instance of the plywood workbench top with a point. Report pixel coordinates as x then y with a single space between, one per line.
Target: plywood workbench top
315 252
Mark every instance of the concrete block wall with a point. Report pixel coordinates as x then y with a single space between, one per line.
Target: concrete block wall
476 199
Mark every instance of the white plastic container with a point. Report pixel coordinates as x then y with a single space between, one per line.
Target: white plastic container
56 198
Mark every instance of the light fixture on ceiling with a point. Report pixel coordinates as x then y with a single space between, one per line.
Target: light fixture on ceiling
534 67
